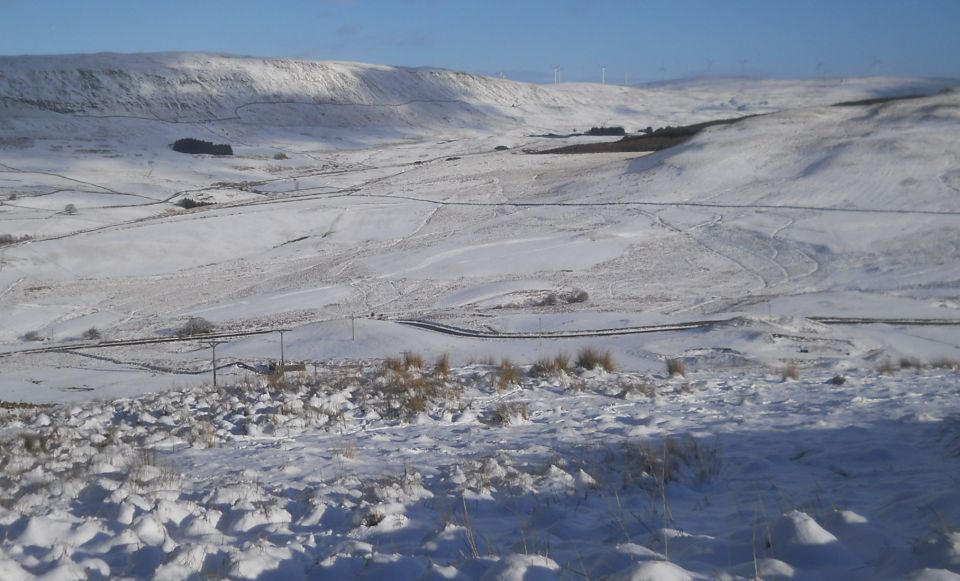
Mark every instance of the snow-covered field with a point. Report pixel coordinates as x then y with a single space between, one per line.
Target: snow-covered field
361 195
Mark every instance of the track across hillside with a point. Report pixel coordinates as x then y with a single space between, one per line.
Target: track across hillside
454 331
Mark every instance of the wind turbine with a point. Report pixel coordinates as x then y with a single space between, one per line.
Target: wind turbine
663 72
603 74
743 68
556 75
709 66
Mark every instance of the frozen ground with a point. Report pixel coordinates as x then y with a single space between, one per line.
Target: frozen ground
359 196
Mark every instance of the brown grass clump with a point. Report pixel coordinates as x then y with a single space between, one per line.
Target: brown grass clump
887 367
676 367
910 362
504 413
945 363
407 390
551 366
664 462
590 358
507 374
790 372
442 366
412 360
631 388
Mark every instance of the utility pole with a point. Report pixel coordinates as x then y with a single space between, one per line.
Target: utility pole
213 346
282 360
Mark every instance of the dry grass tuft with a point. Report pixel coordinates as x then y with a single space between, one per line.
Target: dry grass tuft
676 367
887 367
412 360
407 390
442 366
507 374
551 366
910 363
632 388
504 413
945 363
393 364
790 372
646 463
590 358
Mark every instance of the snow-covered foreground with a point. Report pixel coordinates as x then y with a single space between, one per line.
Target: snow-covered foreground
374 471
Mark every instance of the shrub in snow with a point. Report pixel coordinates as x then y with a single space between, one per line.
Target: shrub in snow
32 336
607 131
10 239
70 209
575 296
188 203
196 326
92 334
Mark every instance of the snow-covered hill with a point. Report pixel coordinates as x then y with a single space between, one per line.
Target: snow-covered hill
358 189
184 87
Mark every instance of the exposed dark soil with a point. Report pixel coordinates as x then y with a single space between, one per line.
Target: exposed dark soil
654 141
877 101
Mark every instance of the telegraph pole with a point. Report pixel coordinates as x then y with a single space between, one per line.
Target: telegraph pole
213 347
282 360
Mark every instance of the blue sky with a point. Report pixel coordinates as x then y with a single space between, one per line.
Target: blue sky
525 39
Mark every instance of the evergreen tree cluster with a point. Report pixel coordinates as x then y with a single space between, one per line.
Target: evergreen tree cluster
191 145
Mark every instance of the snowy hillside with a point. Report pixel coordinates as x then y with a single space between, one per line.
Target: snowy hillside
189 87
